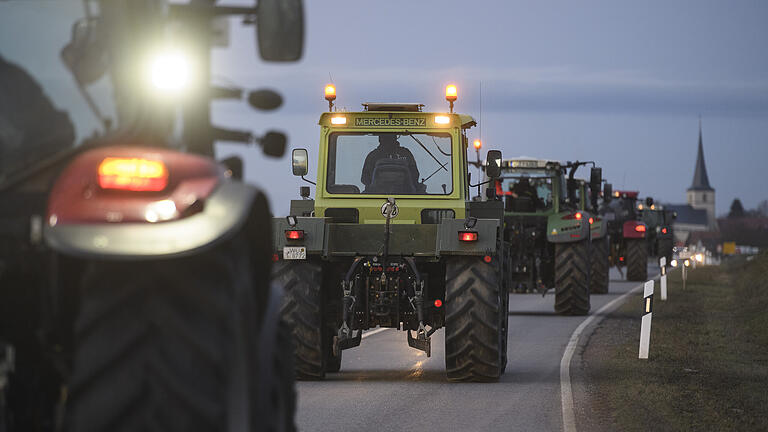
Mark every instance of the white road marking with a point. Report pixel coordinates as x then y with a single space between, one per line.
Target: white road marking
373 332
566 394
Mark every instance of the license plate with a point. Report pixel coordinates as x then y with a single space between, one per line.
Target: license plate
294 253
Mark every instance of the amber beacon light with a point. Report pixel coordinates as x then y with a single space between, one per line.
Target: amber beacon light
330 95
451 94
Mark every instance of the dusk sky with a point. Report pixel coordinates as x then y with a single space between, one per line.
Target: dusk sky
622 83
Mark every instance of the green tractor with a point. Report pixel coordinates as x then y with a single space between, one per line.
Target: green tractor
660 238
546 230
391 239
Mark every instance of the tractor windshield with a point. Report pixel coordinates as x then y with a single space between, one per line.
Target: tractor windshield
400 163
527 190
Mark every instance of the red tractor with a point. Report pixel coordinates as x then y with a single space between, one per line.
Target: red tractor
134 277
627 233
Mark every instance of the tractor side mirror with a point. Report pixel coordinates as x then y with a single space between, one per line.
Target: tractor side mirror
273 143
265 99
280 30
649 201
607 192
595 178
300 162
493 164
86 53
570 185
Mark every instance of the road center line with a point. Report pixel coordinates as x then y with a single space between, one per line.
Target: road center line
566 394
373 332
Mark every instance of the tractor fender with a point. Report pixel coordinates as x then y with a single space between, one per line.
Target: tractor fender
86 222
634 229
567 231
313 229
487 237
599 228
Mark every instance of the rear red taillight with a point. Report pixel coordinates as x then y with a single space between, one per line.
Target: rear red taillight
591 221
663 230
571 216
467 236
294 234
438 303
640 228
133 174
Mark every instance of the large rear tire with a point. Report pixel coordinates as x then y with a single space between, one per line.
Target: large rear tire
599 278
173 345
572 278
637 260
474 338
303 309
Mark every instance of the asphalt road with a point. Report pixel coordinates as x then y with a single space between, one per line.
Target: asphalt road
385 385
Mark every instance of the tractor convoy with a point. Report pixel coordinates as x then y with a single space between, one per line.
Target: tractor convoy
127 263
393 239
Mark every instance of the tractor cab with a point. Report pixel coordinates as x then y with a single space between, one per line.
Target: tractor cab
530 186
390 150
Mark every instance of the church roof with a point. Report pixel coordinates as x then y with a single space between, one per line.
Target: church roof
700 178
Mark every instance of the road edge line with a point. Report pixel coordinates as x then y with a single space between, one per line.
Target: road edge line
566 393
373 332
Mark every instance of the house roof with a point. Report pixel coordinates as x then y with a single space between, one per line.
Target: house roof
687 214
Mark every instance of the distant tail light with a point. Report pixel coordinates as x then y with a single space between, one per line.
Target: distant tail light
591 220
640 228
467 236
294 234
577 216
438 303
664 230
133 174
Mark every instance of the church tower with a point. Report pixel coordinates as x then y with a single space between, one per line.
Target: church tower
701 195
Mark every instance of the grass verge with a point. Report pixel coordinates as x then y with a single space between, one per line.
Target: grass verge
708 365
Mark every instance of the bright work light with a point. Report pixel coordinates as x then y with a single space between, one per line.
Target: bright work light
170 71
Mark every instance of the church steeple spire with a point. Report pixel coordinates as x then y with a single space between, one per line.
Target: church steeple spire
700 178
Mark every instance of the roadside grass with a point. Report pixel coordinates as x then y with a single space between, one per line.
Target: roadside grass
708 365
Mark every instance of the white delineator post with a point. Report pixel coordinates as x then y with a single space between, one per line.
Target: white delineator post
645 325
663 279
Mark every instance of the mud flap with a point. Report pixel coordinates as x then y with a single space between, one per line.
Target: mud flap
420 342
344 341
